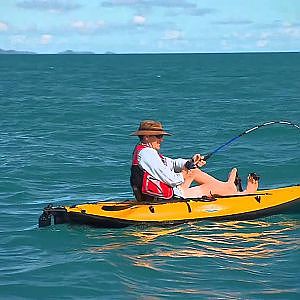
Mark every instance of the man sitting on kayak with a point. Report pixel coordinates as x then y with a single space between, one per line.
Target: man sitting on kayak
158 176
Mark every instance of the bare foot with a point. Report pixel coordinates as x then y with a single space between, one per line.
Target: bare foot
252 185
232 175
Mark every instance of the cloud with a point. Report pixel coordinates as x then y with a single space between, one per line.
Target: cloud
265 35
49 5
234 22
46 39
172 7
18 39
149 3
3 26
241 36
201 11
279 30
88 27
139 20
262 43
291 30
110 3
80 25
173 35
225 45
190 11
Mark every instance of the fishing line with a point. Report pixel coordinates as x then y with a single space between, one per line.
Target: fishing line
207 156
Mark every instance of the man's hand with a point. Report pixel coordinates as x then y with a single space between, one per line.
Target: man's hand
198 160
190 165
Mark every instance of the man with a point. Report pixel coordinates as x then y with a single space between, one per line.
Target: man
154 175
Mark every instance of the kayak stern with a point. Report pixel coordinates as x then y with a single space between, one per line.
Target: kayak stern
58 214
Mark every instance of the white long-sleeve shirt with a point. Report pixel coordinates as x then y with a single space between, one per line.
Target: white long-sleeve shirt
167 170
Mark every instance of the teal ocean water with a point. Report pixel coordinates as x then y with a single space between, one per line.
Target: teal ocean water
65 125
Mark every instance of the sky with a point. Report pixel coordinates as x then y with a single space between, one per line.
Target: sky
150 26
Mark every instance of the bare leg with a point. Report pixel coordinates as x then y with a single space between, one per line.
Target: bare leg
207 184
207 189
219 188
201 178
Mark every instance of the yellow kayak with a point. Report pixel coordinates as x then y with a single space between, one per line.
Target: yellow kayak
121 214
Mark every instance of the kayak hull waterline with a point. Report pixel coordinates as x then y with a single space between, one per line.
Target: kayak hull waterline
122 214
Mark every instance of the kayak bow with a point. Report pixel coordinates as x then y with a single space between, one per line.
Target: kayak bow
122 214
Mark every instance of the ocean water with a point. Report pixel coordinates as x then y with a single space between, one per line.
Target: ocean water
65 139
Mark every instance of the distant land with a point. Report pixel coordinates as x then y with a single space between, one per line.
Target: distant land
72 52
75 52
2 51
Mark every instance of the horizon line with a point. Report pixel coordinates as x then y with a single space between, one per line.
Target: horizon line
79 52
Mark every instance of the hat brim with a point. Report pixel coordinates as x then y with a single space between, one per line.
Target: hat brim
150 132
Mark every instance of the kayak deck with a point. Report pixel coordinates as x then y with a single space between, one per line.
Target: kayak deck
121 214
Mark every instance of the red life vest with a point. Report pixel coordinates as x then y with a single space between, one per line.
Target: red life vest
143 183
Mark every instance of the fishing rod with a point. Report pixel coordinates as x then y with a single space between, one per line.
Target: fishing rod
207 156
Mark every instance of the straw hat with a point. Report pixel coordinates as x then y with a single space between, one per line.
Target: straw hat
150 127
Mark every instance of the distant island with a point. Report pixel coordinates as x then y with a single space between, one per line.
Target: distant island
2 51
75 52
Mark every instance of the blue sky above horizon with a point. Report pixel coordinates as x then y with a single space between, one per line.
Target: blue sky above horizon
150 26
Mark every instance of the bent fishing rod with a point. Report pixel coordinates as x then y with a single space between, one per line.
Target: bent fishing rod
207 156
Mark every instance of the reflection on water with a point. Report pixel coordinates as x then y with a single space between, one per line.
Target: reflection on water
239 239
242 240
248 253
140 238
153 234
